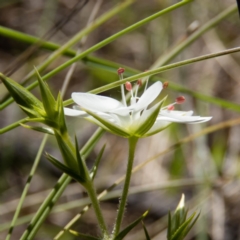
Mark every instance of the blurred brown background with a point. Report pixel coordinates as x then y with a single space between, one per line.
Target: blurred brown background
206 169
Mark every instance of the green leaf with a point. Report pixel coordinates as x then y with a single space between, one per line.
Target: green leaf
45 121
97 161
183 229
147 119
83 236
22 96
82 170
31 112
125 231
61 117
145 231
47 97
64 168
67 150
39 129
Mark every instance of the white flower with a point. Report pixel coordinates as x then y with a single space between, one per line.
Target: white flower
137 119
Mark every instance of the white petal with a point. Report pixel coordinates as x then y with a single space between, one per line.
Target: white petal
182 117
148 96
74 113
95 102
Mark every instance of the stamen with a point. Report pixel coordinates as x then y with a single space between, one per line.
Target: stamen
165 85
170 107
139 84
180 100
120 72
146 82
128 86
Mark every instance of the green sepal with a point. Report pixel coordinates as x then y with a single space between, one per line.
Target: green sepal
111 126
67 150
94 169
21 96
125 231
39 129
47 97
64 168
147 120
81 168
145 231
83 236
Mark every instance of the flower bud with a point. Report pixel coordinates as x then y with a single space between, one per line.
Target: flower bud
120 71
180 100
128 86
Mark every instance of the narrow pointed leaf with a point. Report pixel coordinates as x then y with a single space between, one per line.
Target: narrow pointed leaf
83 236
30 112
125 231
81 167
97 161
61 117
113 127
191 225
22 96
39 129
67 150
145 231
64 168
47 97
181 231
45 121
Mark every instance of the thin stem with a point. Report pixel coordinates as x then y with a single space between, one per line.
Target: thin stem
96 206
159 70
132 146
25 190
100 45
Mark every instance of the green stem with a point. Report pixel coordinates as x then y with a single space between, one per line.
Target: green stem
96 206
159 70
132 146
25 190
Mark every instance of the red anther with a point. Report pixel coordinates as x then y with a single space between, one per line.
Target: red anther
165 85
120 71
139 82
170 107
180 100
128 86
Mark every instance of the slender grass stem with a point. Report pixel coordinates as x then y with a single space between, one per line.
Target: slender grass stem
25 190
100 45
132 146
